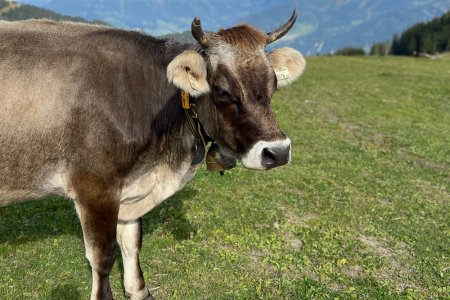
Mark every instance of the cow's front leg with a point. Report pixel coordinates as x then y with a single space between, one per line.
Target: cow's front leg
129 237
98 207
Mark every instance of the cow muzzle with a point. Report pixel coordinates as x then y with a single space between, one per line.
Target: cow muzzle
267 155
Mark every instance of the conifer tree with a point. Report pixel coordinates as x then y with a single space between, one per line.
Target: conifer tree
395 45
430 37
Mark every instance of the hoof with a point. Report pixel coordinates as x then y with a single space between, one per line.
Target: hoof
147 297
150 297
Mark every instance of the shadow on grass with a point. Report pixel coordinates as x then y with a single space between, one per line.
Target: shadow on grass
53 216
32 221
65 292
171 215
39 219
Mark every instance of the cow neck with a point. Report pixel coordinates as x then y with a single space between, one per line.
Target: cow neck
199 148
215 160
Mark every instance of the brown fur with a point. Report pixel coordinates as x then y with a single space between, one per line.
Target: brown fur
242 36
98 206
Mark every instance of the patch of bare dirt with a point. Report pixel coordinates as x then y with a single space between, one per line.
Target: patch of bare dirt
353 271
396 271
349 127
432 193
257 264
307 272
294 243
423 162
381 141
295 219
329 114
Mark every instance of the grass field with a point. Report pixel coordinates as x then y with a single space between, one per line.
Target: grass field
362 212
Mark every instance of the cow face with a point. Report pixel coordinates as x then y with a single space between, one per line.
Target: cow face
234 80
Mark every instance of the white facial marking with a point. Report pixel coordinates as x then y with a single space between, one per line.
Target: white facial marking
222 53
253 158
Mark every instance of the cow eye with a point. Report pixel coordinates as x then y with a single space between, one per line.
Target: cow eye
222 94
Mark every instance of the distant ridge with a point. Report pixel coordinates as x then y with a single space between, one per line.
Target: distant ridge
13 11
322 27
184 37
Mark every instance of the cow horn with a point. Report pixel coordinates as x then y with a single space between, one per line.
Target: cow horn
282 30
198 34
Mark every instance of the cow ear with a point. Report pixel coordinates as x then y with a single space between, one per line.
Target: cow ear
288 64
188 72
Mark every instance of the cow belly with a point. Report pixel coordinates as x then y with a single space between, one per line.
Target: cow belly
11 196
155 186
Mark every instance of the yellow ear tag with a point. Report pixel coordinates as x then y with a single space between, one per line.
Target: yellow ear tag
185 100
282 73
193 82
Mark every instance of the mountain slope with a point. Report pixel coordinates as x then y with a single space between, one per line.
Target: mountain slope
158 16
13 11
323 25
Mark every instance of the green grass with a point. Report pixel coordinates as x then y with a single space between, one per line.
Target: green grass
362 212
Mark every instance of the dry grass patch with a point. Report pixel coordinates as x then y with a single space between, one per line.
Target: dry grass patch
396 271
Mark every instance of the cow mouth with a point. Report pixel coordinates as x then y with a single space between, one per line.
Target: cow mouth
227 152
216 161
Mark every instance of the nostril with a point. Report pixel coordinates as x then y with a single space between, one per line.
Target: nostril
269 157
276 156
285 155
288 151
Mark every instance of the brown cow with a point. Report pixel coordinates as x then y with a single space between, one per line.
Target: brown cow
94 114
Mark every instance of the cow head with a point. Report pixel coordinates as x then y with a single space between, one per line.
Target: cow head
233 79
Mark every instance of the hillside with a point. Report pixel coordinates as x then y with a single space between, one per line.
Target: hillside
13 11
362 211
323 25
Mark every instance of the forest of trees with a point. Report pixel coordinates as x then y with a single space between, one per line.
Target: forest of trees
350 51
430 37
3 4
423 38
381 49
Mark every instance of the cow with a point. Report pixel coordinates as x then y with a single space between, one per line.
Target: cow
118 121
